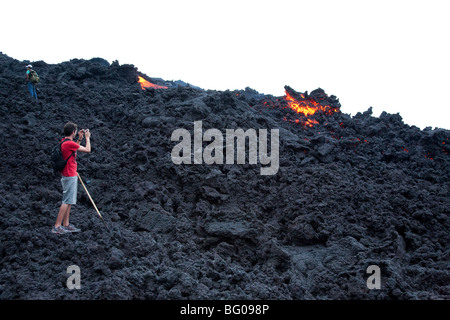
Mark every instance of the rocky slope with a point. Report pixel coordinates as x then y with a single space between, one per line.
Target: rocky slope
350 192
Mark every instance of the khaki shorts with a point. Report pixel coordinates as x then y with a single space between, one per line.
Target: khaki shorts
70 188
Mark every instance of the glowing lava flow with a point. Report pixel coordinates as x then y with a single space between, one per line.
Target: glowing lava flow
300 106
145 84
308 107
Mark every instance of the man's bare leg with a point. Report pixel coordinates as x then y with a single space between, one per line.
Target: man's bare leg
63 215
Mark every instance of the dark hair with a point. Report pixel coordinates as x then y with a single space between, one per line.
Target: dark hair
69 128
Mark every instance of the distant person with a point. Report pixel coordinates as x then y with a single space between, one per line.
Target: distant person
32 80
69 179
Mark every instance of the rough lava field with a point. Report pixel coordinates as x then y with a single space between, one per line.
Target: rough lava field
350 192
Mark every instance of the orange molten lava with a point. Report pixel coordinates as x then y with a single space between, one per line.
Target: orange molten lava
310 122
300 106
145 84
308 106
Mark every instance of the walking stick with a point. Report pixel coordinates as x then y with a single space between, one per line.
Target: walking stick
98 212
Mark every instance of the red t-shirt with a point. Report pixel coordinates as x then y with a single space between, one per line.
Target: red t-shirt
71 167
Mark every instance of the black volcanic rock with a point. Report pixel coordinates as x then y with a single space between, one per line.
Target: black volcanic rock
350 192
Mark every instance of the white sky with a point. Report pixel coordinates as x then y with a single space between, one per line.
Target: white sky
392 55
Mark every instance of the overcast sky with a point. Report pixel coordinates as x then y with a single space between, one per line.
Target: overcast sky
392 55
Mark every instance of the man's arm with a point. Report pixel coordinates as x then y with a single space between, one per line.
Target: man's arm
87 148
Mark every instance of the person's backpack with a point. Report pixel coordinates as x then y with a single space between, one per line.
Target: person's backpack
58 161
34 77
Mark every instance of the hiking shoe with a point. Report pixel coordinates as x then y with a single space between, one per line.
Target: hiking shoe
59 230
71 228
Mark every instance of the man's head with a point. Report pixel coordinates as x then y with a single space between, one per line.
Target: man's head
29 66
70 128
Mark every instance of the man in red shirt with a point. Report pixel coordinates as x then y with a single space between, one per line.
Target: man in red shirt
69 179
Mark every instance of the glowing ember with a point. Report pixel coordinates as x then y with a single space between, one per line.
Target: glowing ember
310 122
145 84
